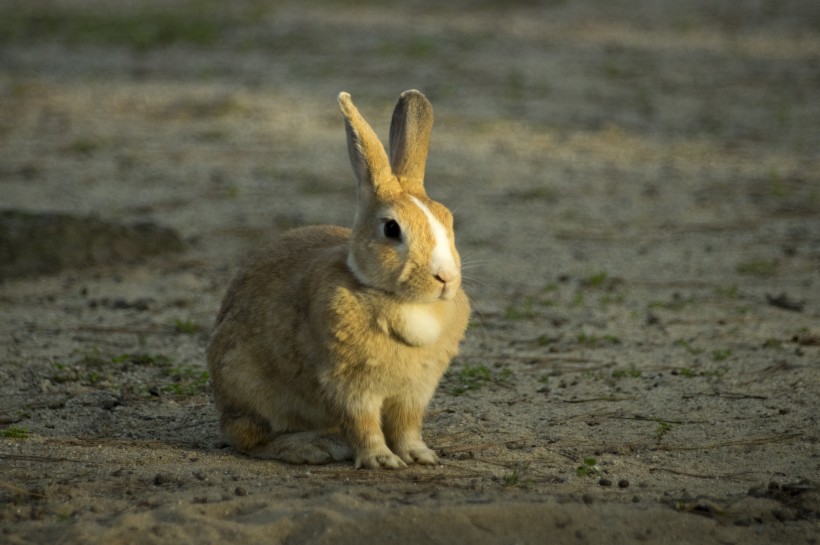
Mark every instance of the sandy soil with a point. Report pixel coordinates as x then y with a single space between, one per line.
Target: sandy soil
637 193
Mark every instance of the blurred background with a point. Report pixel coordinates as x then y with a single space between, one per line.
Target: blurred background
559 123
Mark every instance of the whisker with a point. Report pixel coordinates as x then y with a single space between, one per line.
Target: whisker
469 281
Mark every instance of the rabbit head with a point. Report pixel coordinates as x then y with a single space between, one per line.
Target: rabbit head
402 241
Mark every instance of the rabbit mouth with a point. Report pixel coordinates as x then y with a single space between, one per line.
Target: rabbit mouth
448 291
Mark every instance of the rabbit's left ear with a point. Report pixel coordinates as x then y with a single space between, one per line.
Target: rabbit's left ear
410 138
367 155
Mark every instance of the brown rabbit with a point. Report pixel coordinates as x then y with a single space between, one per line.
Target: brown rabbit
330 342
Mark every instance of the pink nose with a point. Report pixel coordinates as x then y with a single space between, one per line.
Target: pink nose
444 276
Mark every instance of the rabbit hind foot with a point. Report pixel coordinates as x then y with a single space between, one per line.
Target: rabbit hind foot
307 447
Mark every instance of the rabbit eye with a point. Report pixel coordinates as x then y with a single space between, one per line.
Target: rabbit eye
392 229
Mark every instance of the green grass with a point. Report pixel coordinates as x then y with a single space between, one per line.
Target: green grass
688 346
588 468
661 429
515 476
521 310
191 23
546 340
188 327
728 292
179 379
171 377
13 432
760 268
721 354
595 280
474 377
83 146
630 372
187 380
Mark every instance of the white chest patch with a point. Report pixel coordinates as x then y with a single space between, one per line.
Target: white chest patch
417 326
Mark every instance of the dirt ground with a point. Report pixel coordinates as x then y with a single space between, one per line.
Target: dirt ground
636 188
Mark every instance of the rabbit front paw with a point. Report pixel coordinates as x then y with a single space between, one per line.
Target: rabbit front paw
380 459
417 453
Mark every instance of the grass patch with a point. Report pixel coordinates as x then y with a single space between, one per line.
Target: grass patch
728 292
760 268
83 146
588 468
721 354
688 346
595 280
630 372
515 477
687 372
546 340
13 432
141 29
87 369
180 379
187 327
474 377
521 310
661 429
187 380
93 369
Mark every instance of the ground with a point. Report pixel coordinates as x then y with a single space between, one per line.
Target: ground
636 188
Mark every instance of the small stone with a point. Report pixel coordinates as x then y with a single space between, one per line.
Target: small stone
605 482
239 491
623 483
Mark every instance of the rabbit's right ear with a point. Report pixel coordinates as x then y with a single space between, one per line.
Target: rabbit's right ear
410 130
367 155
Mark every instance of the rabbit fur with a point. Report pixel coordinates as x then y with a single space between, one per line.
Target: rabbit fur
330 342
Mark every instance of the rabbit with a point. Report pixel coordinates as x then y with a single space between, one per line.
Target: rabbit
330 342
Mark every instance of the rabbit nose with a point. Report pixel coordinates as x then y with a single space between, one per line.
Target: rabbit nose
445 276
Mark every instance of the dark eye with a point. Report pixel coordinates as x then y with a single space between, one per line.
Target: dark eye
392 229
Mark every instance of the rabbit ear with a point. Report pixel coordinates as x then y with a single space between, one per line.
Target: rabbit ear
410 137
367 155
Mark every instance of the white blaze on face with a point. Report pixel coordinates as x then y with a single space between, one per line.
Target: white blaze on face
442 262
